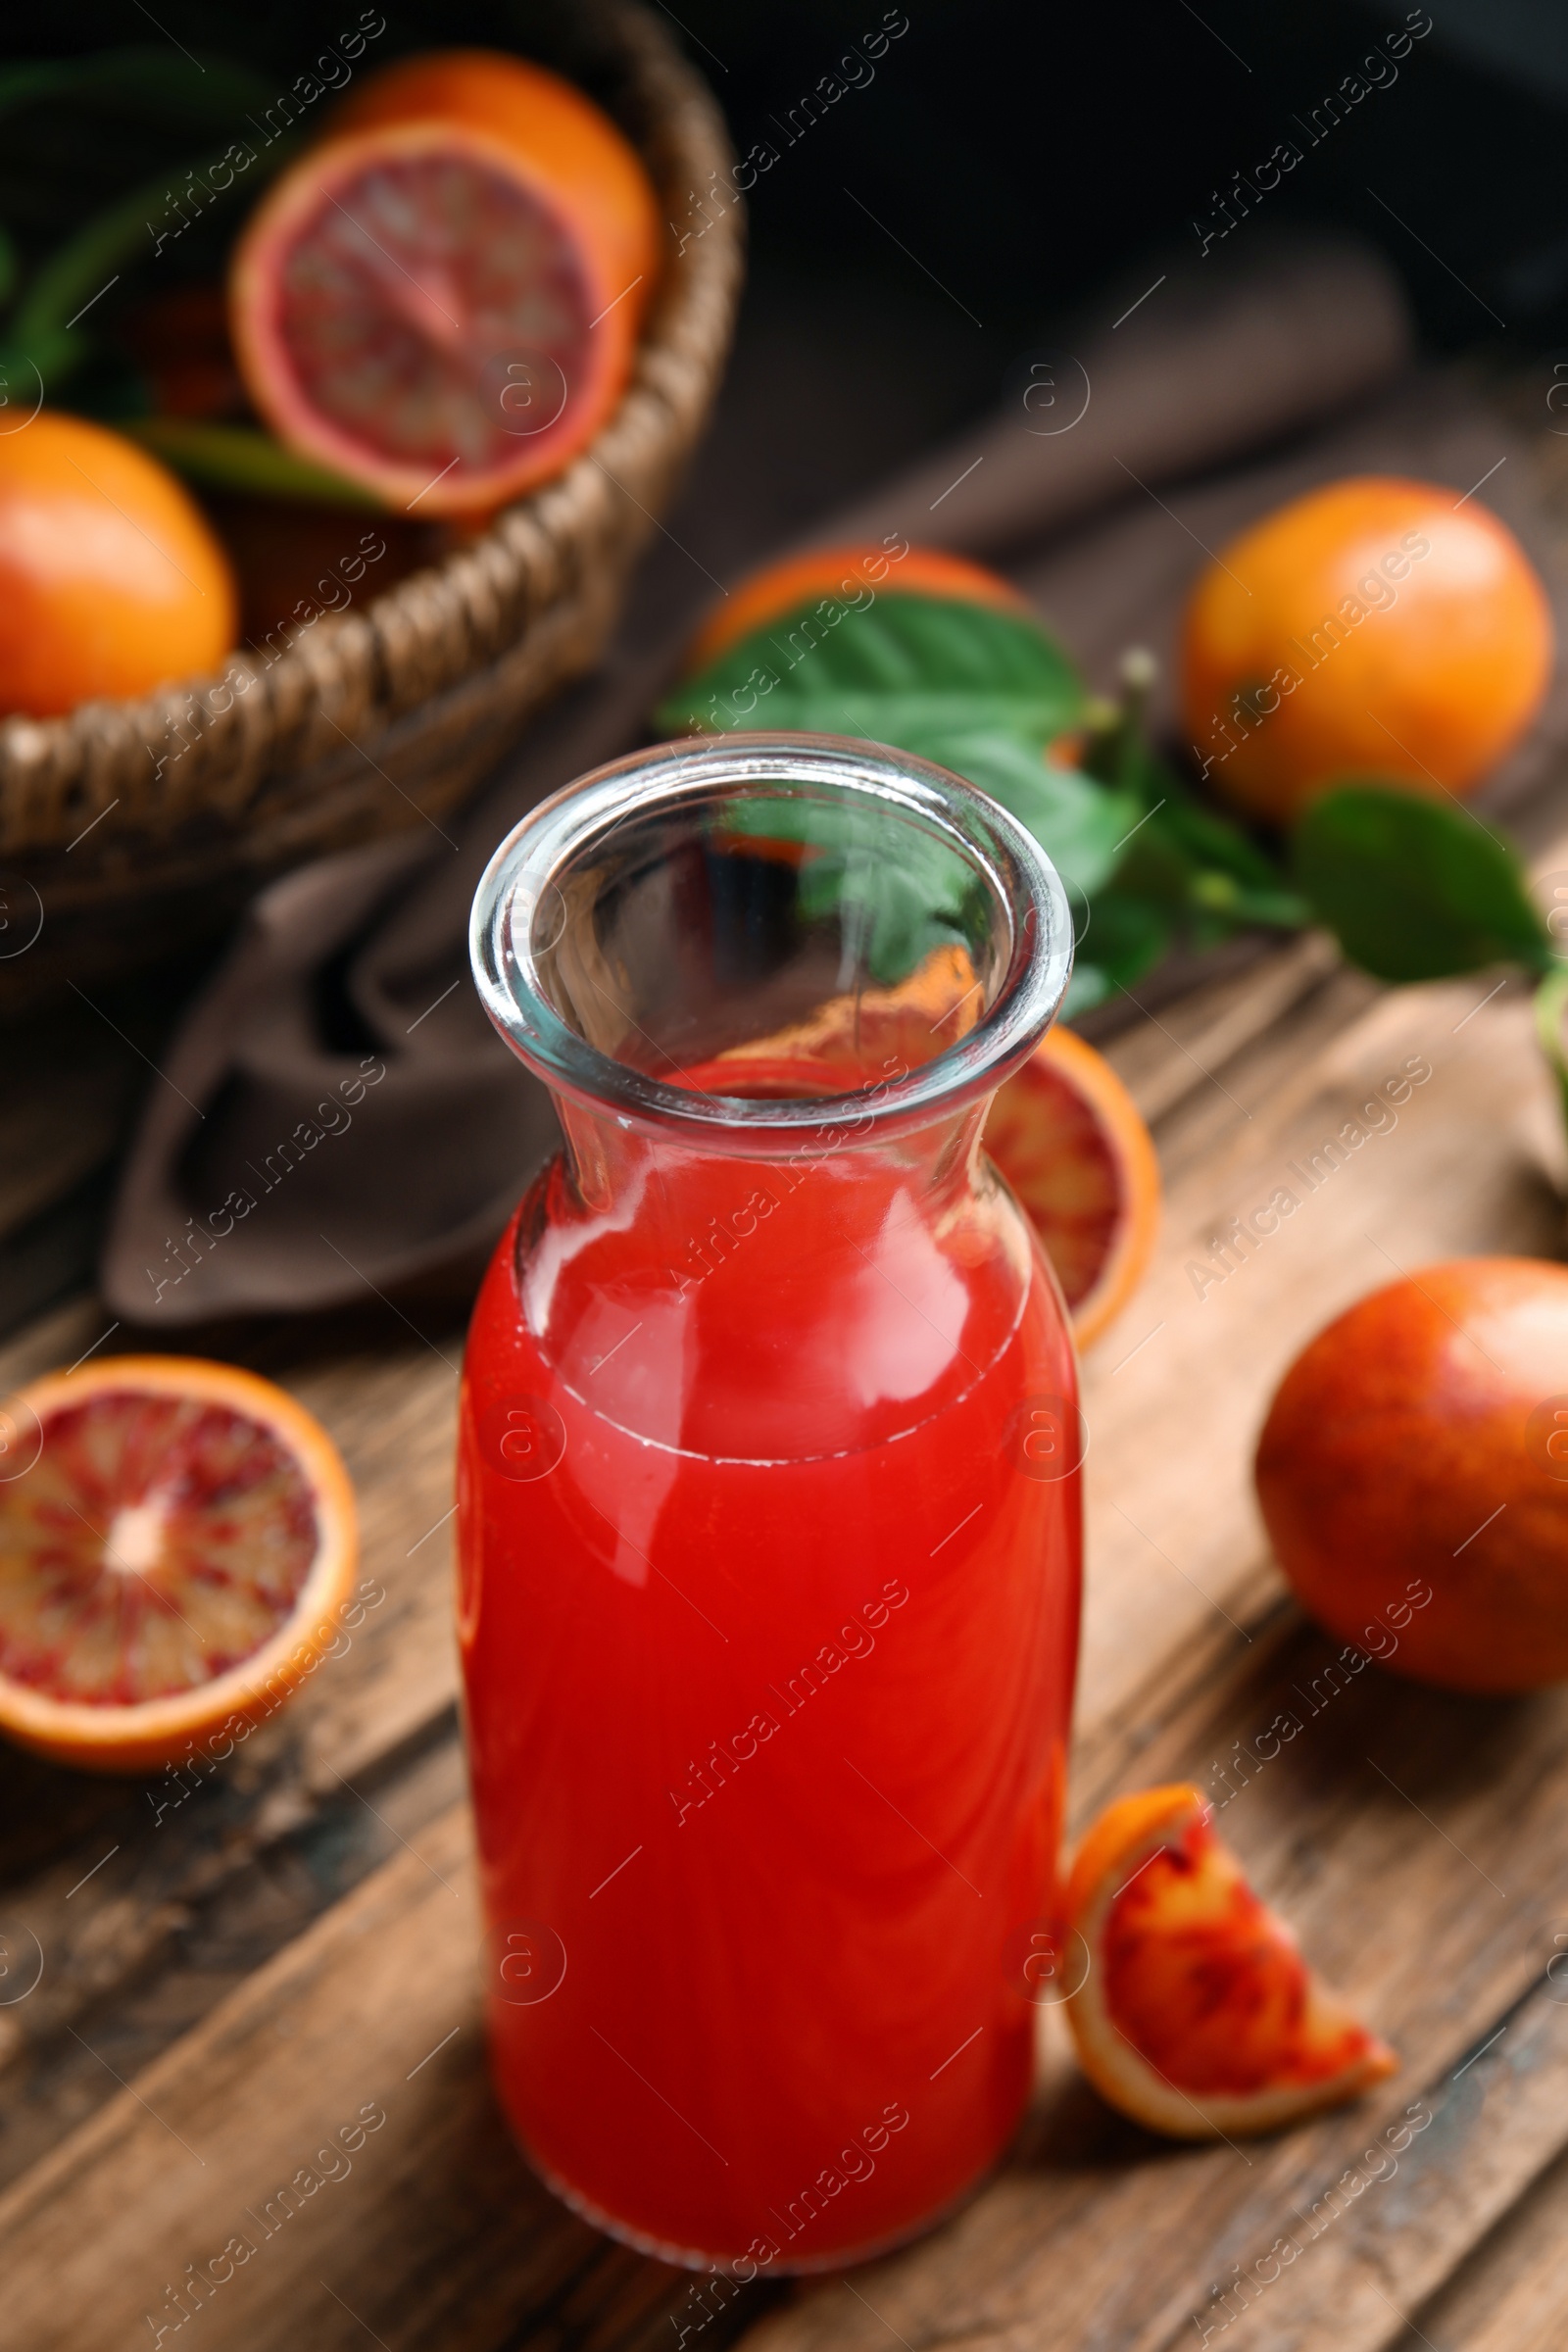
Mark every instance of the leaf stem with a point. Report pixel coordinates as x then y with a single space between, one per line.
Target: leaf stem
237 456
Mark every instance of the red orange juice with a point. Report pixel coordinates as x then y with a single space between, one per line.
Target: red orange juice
769 1568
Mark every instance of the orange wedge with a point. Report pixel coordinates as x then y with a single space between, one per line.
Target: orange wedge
1069 1140
176 1540
850 573
1198 2016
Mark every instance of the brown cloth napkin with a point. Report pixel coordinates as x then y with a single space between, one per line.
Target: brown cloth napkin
336 1116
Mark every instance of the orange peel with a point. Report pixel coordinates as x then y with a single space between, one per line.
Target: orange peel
1198 2016
176 1540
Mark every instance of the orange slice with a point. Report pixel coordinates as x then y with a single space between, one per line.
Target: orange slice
442 298
1198 2016
175 1546
850 573
1068 1138
853 1040
1063 1131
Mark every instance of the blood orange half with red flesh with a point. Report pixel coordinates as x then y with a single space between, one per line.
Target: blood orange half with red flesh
430 313
174 1544
1068 1138
1198 2014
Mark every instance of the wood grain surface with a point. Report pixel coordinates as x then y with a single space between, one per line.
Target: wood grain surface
1418 1842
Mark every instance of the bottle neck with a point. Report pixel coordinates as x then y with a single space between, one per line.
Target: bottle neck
771 1306
692 1210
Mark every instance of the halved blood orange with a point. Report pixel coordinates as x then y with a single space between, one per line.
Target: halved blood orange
845 572
1063 1131
441 299
175 1546
1069 1139
547 122
1197 2015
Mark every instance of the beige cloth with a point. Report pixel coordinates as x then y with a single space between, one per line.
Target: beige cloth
336 1117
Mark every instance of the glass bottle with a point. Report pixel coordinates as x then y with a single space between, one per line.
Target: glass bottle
769 1513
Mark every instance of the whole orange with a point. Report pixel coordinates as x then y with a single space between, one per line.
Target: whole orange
110 580
1414 1475
1377 625
778 588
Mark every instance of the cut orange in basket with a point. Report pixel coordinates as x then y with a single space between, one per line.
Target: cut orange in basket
1069 1140
1197 2015
1063 1130
177 1537
847 572
441 299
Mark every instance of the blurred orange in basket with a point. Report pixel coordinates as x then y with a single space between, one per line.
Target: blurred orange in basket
176 1542
1191 2008
111 582
1376 626
441 299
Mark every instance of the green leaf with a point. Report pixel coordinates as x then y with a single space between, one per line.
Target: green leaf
900 667
1088 987
1414 890
977 691
237 456
1190 862
143 80
1080 826
889 917
1124 937
983 693
1210 840
78 271
891 910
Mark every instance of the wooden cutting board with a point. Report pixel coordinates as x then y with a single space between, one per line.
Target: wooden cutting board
270 1986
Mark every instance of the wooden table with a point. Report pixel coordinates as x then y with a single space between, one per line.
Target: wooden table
291 1945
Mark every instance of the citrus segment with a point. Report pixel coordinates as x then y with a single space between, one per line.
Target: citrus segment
172 1553
855 573
1069 1140
443 310
1198 2016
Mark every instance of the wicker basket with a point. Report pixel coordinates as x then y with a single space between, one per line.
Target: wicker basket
370 721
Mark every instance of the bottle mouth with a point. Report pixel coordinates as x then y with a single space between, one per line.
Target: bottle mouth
650 934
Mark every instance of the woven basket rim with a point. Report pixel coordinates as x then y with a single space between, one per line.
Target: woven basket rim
352 672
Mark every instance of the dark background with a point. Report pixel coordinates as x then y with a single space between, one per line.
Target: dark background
1016 155
1007 163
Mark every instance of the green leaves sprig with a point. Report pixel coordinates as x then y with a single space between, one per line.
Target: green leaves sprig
137 113
1415 890
987 692
1412 887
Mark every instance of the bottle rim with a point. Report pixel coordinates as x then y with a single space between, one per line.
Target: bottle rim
555 836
